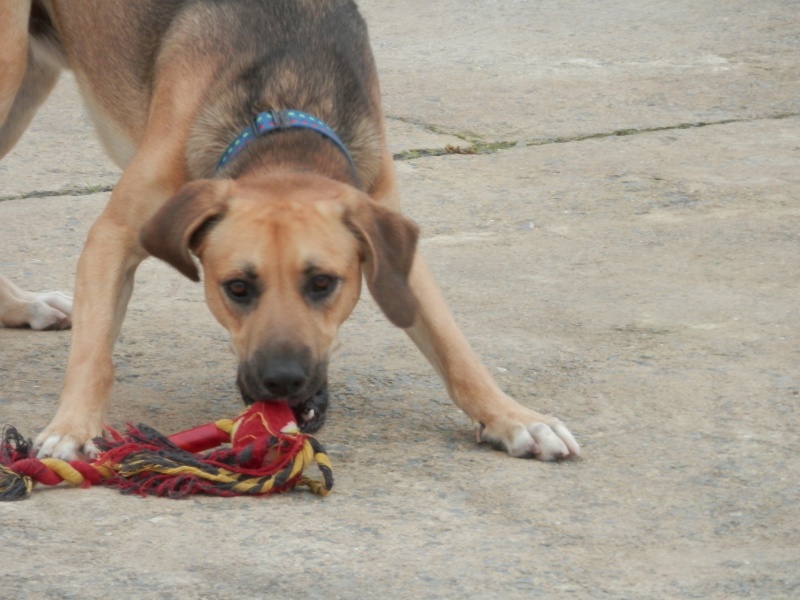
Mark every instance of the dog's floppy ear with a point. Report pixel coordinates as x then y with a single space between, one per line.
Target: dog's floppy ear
388 243
175 229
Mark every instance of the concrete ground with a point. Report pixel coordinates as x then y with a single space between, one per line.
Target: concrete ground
620 243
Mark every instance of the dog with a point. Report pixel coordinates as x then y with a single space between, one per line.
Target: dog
253 149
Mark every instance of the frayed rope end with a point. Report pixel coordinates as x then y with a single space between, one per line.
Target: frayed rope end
13 448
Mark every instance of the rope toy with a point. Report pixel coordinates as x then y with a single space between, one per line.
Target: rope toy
267 454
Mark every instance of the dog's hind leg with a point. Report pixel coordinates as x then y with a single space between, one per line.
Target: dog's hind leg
26 76
14 18
19 308
25 81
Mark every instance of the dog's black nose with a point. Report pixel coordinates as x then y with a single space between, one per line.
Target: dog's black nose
284 378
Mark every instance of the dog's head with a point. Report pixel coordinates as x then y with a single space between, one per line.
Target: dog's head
282 259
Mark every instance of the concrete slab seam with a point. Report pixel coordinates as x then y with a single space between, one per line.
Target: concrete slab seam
477 145
481 146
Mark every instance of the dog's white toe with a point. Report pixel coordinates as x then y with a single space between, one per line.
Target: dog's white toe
63 447
50 311
66 447
542 438
59 301
42 316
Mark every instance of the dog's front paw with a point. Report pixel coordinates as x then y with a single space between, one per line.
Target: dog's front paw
68 442
527 434
50 311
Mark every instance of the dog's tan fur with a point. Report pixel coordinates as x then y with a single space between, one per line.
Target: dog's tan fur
165 107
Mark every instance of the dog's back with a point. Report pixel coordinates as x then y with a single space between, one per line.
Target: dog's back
253 56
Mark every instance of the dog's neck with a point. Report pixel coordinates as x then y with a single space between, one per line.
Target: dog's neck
299 151
274 121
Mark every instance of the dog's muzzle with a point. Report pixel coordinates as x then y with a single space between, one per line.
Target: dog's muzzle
289 377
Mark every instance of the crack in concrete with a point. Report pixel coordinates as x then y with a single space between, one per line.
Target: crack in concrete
644 130
79 191
480 146
477 145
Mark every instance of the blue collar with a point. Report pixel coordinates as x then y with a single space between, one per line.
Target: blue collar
280 120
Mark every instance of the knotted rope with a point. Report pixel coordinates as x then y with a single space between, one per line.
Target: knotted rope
267 454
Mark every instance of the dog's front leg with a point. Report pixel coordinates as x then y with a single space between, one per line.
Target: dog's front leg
103 287
498 418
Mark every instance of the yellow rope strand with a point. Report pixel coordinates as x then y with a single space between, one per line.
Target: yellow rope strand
244 484
69 474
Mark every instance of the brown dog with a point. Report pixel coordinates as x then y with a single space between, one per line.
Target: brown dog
283 219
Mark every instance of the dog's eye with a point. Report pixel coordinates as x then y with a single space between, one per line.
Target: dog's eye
321 286
239 290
